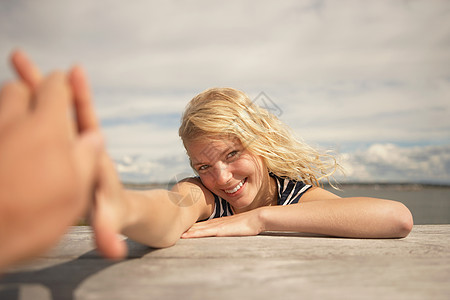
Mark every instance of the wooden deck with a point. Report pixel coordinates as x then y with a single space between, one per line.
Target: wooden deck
268 266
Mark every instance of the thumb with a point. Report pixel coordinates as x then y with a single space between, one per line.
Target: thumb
109 244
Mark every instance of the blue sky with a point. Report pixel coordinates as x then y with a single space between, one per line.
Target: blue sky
369 79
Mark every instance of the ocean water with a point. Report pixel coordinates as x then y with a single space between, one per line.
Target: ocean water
428 204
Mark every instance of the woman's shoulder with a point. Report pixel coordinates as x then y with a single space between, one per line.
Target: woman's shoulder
284 180
193 188
289 190
216 206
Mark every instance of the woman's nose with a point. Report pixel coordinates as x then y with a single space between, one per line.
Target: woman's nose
223 174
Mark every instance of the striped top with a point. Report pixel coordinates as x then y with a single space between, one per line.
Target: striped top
289 192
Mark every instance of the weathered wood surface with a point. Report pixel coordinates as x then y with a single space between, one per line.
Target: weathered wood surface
269 266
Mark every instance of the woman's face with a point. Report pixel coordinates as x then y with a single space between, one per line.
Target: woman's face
228 170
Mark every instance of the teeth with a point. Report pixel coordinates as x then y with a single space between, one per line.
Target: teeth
236 188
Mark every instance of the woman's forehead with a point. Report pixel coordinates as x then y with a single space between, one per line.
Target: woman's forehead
209 149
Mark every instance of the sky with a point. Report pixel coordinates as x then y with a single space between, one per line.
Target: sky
369 80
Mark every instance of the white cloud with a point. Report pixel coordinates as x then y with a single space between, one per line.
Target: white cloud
391 163
371 112
142 139
344 73
172 44
144 169
125 104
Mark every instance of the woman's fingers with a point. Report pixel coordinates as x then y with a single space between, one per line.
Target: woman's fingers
86 118
84 110
53 103
202 229
26 69
109 244
106 214
88 150
14 102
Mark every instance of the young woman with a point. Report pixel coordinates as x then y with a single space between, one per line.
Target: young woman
253 176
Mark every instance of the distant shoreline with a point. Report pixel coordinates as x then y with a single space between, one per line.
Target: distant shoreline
374 185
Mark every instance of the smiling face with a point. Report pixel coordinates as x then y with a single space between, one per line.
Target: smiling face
230 171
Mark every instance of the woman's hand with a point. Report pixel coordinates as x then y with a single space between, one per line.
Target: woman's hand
243 224
47 170
109 211
107 208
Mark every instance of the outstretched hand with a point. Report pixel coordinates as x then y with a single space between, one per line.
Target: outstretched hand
106 207
48 169
108 211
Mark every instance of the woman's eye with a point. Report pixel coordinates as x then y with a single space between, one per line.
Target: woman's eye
203 167
232 154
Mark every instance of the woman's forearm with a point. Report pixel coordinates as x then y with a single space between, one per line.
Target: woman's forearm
153 219
346 217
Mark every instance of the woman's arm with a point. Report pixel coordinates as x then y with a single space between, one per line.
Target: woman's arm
156 218
318 212
325 213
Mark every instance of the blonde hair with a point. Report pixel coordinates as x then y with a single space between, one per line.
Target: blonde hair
228 113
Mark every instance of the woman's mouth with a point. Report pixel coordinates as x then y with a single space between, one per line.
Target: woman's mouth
237 187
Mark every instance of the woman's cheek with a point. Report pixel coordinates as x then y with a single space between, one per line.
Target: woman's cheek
207 180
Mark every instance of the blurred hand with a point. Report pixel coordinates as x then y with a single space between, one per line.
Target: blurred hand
48 169
107 210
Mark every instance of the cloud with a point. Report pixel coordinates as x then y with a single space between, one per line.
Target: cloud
172 44
403 112
143 169
346 74
391 163
142 139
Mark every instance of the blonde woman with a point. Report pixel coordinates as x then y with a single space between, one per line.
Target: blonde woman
253 176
